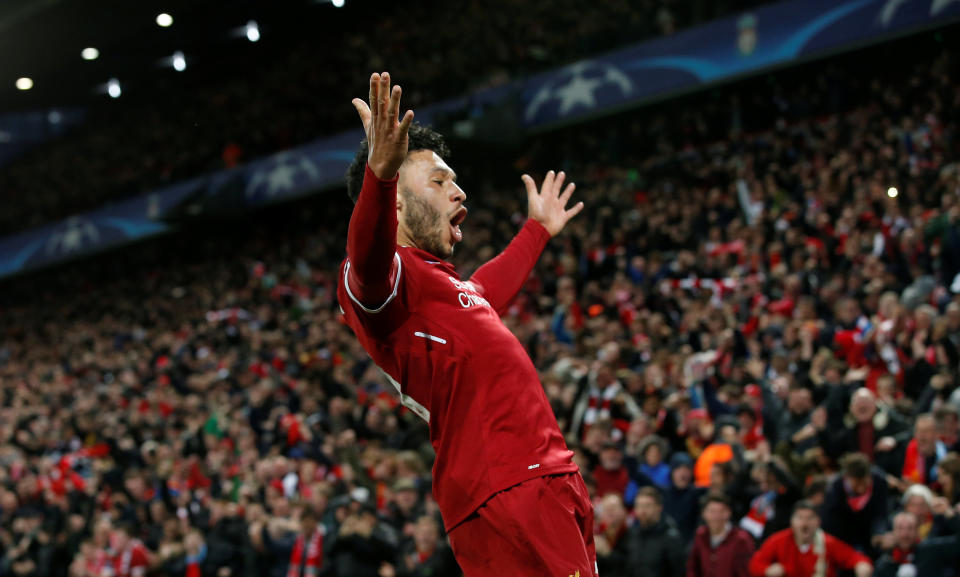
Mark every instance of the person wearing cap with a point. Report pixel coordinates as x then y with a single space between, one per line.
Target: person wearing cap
405 507
751 427
806 550
611 475
681 500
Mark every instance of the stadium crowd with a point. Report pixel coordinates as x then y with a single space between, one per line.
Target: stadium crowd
745 339
273 104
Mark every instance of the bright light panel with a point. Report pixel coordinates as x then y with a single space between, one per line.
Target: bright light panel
253 31
179 61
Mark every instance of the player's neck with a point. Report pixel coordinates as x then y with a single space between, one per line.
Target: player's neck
403 239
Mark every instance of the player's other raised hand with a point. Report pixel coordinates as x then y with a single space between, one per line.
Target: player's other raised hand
386 133
549 206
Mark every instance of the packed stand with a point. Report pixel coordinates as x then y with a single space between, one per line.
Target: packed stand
746 331
273 105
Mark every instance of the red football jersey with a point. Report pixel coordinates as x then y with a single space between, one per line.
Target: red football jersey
441 342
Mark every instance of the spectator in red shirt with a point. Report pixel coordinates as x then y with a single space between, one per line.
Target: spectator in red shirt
804 550
130 557
611 474
719 548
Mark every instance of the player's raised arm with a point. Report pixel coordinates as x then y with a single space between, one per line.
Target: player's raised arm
504 275
372 271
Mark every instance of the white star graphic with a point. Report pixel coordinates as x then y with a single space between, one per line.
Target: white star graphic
73 236
889 10
939 6
280 178
579 92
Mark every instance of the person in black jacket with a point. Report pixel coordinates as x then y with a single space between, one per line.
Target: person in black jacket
655 548
362 545
611 537
856 506
867 428
426 556
682 499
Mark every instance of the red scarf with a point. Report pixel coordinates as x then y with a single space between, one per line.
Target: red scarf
901 556
858 502
314 555
914 466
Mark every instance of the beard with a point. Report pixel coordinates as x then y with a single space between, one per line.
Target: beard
425 224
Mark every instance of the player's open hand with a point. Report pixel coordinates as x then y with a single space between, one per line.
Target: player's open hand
386 135
549 206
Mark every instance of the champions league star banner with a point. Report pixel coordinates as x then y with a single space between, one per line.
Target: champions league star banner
92 232
770 36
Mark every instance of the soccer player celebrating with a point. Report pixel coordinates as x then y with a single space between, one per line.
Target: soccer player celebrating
511 497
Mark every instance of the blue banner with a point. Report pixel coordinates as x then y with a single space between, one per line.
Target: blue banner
774 35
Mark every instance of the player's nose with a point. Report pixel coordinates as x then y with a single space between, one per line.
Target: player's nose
457 194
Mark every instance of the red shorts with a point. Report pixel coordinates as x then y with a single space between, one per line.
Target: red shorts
540 528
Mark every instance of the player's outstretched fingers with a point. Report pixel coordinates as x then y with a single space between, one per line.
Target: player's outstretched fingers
383 100
394 108
575 210
547 181
406 122
565 197
374 95
558 183
530 185
363 110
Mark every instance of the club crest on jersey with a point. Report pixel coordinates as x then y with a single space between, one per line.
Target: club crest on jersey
468 296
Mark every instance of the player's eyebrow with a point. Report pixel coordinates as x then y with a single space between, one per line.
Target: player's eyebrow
445 172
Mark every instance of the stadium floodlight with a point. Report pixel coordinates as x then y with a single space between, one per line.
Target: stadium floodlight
164 20
113 88
24 83
90 53
179 61
338 3
253 31
892 192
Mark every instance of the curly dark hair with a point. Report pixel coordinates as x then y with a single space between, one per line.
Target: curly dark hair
421 138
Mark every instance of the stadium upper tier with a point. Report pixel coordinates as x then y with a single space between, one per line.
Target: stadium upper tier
181 129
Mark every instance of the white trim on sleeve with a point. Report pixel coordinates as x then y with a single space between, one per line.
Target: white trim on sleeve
396 286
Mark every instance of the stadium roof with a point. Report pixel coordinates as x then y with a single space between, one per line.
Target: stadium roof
43 40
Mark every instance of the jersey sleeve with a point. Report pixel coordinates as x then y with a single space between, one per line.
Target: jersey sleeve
373 268
500 279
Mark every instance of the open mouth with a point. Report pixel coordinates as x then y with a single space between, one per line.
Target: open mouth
455 221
